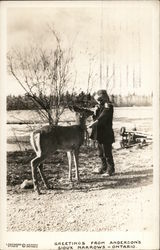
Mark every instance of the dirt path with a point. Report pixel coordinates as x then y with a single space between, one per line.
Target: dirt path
103 210
122 202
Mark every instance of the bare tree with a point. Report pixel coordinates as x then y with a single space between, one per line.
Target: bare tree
92 74
45 75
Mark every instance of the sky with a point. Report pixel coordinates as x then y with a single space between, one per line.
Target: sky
118 35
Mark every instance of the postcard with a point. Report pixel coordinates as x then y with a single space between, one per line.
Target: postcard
79 95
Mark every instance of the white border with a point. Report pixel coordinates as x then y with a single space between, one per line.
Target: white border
46 240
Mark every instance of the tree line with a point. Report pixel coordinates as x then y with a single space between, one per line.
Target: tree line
25 102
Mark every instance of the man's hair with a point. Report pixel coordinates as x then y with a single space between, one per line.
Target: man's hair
101 95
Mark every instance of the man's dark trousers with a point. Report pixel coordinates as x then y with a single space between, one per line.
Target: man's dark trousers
105 153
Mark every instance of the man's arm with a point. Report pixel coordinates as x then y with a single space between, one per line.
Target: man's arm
105 115
103 118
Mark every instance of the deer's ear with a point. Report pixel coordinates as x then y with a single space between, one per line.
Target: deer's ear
70 108
76 109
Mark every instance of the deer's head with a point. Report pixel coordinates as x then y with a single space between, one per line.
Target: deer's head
81 113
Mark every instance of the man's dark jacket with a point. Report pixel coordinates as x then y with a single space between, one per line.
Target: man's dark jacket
102 131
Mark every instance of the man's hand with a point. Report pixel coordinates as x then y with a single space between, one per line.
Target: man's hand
95 109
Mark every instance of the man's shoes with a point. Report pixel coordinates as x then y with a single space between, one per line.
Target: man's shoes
99 171
104 171
108 174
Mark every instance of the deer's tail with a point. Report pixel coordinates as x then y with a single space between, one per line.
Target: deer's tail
35 142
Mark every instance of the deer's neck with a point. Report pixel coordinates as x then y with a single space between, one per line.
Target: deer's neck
81 121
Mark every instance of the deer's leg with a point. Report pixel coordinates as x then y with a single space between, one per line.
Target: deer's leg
75 158
40 168
87 138
69 155
34 165
34 174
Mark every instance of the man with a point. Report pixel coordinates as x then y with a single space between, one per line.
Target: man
102 131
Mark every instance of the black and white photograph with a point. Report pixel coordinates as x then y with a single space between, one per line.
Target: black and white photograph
79 96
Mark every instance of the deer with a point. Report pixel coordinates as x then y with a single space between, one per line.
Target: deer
49 139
